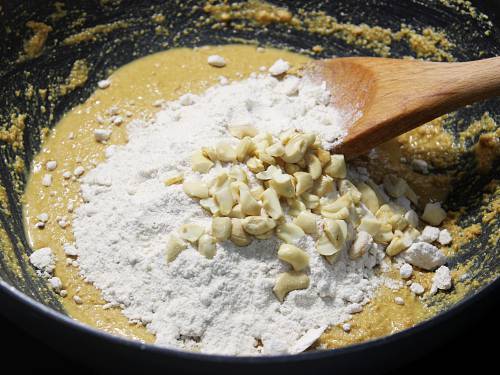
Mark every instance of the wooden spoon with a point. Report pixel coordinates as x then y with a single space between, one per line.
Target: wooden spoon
383 98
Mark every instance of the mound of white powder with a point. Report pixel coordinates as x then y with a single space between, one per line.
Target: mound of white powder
226 304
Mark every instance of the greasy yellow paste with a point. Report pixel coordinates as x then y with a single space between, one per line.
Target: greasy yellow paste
133 93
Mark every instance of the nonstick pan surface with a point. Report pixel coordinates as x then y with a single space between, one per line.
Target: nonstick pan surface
25 298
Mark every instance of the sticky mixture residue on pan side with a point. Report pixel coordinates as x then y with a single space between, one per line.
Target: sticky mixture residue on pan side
135 90
428 43
33 47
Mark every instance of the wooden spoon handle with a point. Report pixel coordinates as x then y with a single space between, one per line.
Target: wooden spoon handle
459 84
406 94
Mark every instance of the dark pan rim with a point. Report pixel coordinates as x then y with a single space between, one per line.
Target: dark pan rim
68 322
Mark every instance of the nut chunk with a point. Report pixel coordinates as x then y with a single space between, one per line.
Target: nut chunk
221 228
336 168
296 257
271 204
195 188
206 246
361 245
174 247
191 232
433 213
257 225
199 163
289 281
238 235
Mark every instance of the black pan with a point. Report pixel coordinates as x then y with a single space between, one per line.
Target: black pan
26 300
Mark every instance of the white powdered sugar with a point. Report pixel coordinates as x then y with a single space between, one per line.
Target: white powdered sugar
222 305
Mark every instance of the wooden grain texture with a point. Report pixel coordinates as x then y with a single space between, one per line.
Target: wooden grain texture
395 96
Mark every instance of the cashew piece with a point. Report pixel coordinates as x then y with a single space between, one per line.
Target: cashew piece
298 258
221 228
191 232
361 245
336 168
174 247
195 188
206 246
271 204
289 232
257 225
238 235
307 221
289 281
199 163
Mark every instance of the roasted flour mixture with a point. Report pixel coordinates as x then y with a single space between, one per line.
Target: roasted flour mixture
193 202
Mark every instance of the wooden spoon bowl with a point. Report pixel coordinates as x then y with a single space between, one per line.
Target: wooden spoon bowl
383 98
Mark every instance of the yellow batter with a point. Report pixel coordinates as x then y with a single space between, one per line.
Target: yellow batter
134 91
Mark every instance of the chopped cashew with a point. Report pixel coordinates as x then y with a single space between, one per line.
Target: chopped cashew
289 281
307 221
304 182
238 174
336 231
236 212
206 246
244 149
311 201
342 214
336 168
325 247
345 201
199 163
195 188
399 242
324 156
210 153
191 232
221 228
346 186
368 197
295 207
433 213
174 179
224 199
297 146
276 150
298 258
283 185
370 225
314 166
255 165
242 131
361 245
225 152
174 247
238 235
323 186
269 173
249 205
271 204
289 232
209 204
257 225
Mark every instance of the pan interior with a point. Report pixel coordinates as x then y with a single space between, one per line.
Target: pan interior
42 45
